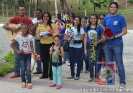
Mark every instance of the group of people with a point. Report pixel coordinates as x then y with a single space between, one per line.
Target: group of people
50 46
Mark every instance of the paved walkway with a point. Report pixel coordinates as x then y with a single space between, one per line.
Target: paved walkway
8 85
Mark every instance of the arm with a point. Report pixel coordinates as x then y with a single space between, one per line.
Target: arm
124 32
32 47
85 44
61 53
101 40
38 32
12 46
54 29
50 50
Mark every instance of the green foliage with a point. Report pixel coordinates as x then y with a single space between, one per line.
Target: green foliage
130 1
99 3
8 66
9 57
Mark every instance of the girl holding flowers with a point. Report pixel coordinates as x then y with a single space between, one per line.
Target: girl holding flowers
46 42
75 36
93 36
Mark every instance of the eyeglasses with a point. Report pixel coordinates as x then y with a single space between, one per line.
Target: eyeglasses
101 18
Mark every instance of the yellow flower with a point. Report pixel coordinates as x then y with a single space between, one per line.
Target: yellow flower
67 26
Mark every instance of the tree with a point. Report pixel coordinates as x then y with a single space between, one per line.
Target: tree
98 3
130 1
56 9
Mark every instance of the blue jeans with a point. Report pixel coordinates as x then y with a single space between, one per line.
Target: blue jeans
66 56
37 49
115 52
17 60
75 53
25 60
57 75
92 64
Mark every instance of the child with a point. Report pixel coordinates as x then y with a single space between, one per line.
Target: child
25 42
57 53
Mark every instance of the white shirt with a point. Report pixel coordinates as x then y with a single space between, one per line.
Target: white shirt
35 20
24 42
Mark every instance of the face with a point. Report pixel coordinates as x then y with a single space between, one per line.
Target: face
56 41
93 20
21 11
71 19
83 23
101 18
113 9
76 21
24 29
38 14
46 17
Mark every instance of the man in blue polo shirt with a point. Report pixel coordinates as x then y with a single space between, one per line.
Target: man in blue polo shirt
114 46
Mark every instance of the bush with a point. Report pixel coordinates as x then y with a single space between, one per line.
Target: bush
8 66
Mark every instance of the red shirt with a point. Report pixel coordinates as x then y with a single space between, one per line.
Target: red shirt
17 20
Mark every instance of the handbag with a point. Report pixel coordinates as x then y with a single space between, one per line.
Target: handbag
66 46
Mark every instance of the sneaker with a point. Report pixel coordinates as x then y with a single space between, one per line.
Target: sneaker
29 86
70 77
52 85
76 78
37 72
68 64
23 85
122 86
58 87
15 76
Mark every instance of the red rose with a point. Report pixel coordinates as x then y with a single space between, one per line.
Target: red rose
108 33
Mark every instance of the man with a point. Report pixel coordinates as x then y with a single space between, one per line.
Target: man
37 41
17 20
114 46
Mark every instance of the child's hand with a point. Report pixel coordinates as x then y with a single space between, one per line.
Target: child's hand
58 52
20 51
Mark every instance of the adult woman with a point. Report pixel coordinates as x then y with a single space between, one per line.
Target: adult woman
75 46
101 18
93 27
46 42
114 46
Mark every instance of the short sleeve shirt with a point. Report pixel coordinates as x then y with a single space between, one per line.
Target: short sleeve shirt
24 42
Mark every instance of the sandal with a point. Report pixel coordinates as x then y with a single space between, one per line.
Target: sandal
58 87
90 80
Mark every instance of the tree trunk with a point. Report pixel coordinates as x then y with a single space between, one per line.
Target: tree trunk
3 9
29 8
56 8
47 5
85 10
7 10
94 8
62 4
66 5
126 3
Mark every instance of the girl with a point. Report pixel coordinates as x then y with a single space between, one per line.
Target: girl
75 47
93 27
84 57
57 53
46 42
25 42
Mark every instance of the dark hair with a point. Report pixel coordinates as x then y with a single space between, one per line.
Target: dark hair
20 6
88 27
50 18
78 28
59 18
114 3
57 36
102 15
24 24
39 10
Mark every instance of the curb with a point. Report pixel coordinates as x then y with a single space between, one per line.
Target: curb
1 25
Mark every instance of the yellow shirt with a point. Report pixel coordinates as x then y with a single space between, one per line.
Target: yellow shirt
42 28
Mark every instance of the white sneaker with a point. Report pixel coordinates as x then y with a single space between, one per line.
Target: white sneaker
68 64
122 86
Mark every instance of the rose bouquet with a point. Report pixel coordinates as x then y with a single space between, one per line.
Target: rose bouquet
108 32
50 30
